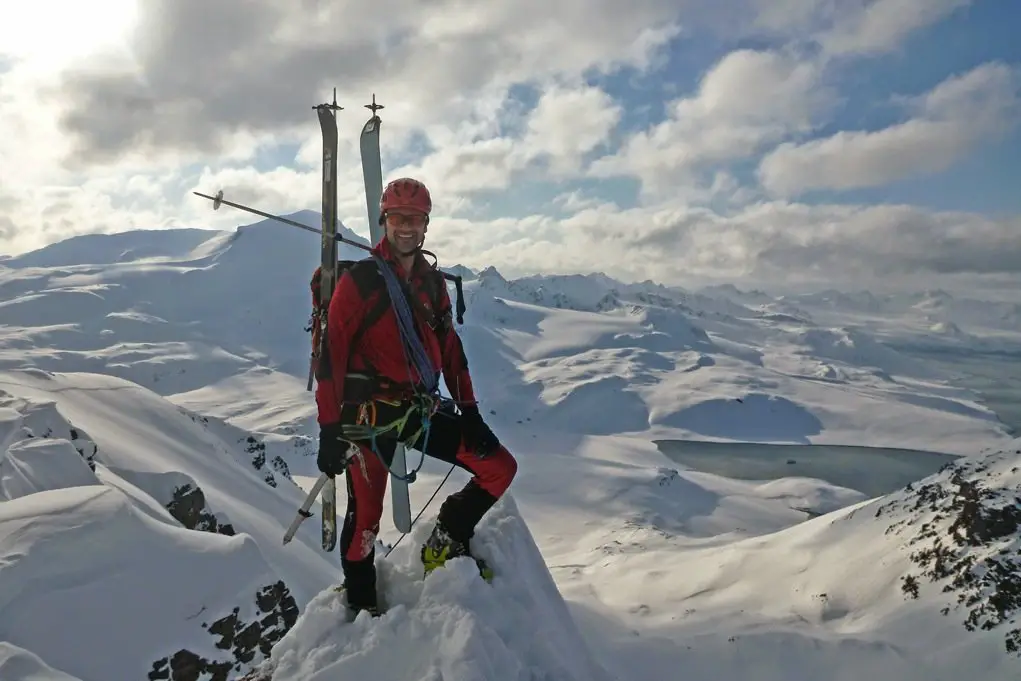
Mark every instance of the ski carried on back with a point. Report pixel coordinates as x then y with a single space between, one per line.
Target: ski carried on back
372 173
324 283
327 283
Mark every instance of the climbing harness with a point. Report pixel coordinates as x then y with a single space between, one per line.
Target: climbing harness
366 426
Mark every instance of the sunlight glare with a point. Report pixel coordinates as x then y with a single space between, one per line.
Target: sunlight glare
54 33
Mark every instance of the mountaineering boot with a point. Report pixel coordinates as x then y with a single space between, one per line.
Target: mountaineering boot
354 608
441 547
359 586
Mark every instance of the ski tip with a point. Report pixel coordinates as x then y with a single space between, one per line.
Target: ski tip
374 107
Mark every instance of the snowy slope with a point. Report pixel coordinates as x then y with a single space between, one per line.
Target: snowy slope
672 372
57 511
18 664
919 584
100 481
231 302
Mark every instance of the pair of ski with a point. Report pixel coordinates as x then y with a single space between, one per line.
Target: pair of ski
372 175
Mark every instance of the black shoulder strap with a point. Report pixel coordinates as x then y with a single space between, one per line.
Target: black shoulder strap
372 316
461 308
369 280
364 273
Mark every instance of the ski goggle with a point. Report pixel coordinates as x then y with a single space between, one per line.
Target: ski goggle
417 220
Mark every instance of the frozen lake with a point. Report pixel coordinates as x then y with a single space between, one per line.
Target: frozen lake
872 470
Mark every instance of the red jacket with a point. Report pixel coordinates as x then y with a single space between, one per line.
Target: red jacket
379 348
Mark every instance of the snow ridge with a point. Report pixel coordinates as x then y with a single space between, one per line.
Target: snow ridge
450 625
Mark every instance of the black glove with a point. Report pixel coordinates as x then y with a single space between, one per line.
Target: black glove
333 450
476 434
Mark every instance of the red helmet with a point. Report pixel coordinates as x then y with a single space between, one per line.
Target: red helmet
407 193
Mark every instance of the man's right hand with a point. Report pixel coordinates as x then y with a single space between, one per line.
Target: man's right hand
333 450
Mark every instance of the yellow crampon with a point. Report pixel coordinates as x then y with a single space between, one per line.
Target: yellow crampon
433 558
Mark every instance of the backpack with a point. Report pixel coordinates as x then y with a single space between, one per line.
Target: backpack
368 280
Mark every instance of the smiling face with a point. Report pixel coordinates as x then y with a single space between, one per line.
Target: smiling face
405 230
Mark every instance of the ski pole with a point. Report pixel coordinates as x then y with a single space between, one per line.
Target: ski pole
218 199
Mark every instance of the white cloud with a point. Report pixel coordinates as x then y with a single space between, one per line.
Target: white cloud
746 101
566 124
881 25
219 84
951 119
204 73
877 247
577 200
848 28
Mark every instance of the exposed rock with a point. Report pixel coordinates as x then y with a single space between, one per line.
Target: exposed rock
246 644
188 506
965 524
185 665
258 451
85 446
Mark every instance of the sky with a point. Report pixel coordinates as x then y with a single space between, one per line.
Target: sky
784 144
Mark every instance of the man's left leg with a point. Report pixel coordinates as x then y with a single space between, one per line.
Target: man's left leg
492 473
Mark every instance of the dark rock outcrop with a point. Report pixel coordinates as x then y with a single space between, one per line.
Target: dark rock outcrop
964 527
245 643
188 506
258 451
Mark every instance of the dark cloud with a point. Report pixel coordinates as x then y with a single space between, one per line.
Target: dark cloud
886 241
205 70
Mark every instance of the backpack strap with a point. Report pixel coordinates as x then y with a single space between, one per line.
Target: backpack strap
366 279
369 281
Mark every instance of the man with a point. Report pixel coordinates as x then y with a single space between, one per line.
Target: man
374 395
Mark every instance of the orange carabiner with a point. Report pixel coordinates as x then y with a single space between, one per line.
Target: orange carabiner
363 414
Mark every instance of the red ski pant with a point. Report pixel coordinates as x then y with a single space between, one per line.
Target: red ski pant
367 477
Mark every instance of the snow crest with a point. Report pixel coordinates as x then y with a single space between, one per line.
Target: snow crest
451 625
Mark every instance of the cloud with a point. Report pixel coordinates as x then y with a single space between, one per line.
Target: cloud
848 28
206 75
748 100
876 247
880 26
521 106
950 120
566 124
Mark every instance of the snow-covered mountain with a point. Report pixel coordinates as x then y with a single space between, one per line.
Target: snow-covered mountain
933 318
156 434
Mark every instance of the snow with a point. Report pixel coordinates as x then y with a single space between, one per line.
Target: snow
713 484
452 625
18 664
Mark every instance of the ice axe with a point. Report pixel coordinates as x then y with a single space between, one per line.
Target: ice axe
303 510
